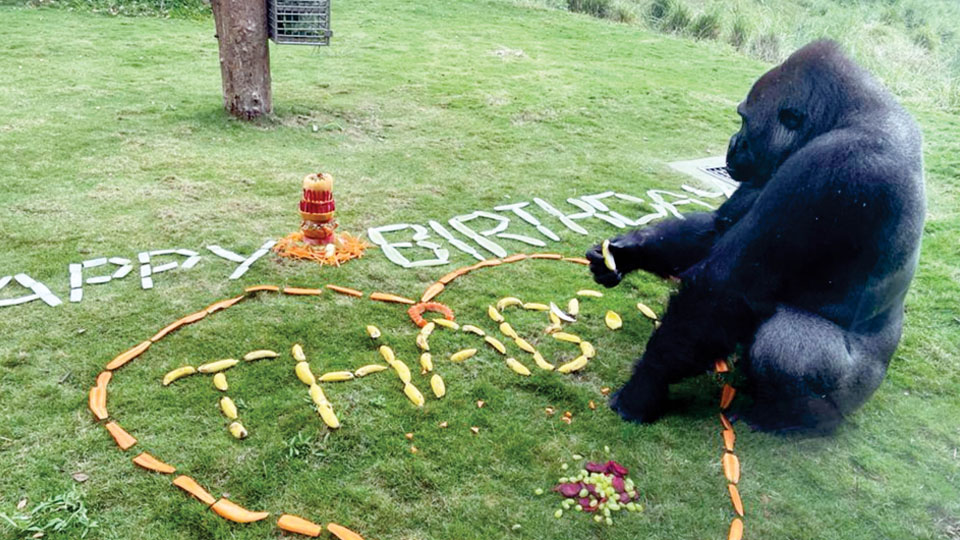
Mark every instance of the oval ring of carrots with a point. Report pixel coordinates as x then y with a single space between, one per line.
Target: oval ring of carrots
416 312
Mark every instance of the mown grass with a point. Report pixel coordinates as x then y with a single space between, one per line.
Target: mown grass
114 142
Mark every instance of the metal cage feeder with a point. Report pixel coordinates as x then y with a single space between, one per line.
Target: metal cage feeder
300 22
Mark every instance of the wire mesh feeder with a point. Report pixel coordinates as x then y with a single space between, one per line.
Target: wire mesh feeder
303 22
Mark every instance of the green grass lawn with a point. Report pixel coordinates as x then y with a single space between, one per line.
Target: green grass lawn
114 141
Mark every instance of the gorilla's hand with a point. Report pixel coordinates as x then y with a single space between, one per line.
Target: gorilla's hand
603 275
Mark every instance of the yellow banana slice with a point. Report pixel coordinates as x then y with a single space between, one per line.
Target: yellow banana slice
504 303
228 407
220 382
297 351
305 374
517 367
237 430
496 344
363 371
219 365
426 362
494 314
178 373
336 376
259 354
574 365
437 385
613 320
414 395
460 356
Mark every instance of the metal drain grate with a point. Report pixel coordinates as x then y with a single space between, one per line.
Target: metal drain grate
711 171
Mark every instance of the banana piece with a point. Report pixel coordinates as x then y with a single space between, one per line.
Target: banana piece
177 374
508 330
573 307
414 395
504 303
373 331
304 374
647 312
436 384
228 407
473 329
219 365
494 314
259 354
335 376
317 395
297 351
569 338
586 348
541 362
426 362
238 431
613 320
328 416
496 344
517 367
363 371
607 256
220 382
525 345
387 354
428 328
440 321
460 356
422 342
573 365
590 292
402 370
534 306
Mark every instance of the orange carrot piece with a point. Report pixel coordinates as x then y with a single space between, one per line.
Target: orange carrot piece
258 288
516 257
720 366
447 278
735 499
386 297
728 438
726 396
192 487
96 403
129 355
299 525
731 467
151 463
166 330
345 290
726 423
234 512
432 292
124 440
223 304
551 256
736 529
194 317
489 262
302 292
104 378
342 532
578 260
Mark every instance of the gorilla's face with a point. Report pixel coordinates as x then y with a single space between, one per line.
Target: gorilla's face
776 122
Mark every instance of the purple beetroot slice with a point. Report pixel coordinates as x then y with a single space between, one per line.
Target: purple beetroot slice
585 504
595 467
617 484
615 468
624 498
570 489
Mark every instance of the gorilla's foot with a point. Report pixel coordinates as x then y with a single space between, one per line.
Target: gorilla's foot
793 418
636 403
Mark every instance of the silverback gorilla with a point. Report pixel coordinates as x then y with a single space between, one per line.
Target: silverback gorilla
806 266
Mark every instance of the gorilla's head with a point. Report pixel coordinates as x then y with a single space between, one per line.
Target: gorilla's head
789 105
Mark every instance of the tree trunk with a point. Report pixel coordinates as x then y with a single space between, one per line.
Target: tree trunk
244 56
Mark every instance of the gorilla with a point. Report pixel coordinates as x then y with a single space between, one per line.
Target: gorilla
804 269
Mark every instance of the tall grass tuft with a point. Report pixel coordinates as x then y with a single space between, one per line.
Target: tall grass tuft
597 8
740 32
706 26
678 19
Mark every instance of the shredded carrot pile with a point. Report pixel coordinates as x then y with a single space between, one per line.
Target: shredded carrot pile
348 247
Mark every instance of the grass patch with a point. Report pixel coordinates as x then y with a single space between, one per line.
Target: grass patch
115 141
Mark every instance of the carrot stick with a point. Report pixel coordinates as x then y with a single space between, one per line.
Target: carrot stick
342 532
192 487
223 304
129 355
234 512
432 292
302 292
552 256
726 396
735 499
124 440
299 525
345 290
386 297
516 257
151 463
258 288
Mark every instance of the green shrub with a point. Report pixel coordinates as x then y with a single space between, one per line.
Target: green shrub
706 26
678 19
621 12
767 46
660 9
740 33
597 8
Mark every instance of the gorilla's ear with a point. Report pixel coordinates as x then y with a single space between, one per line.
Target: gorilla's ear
791 118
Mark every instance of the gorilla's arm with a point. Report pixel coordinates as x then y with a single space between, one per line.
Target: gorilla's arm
672 246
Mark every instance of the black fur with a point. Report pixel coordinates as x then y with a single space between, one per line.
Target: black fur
806 266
